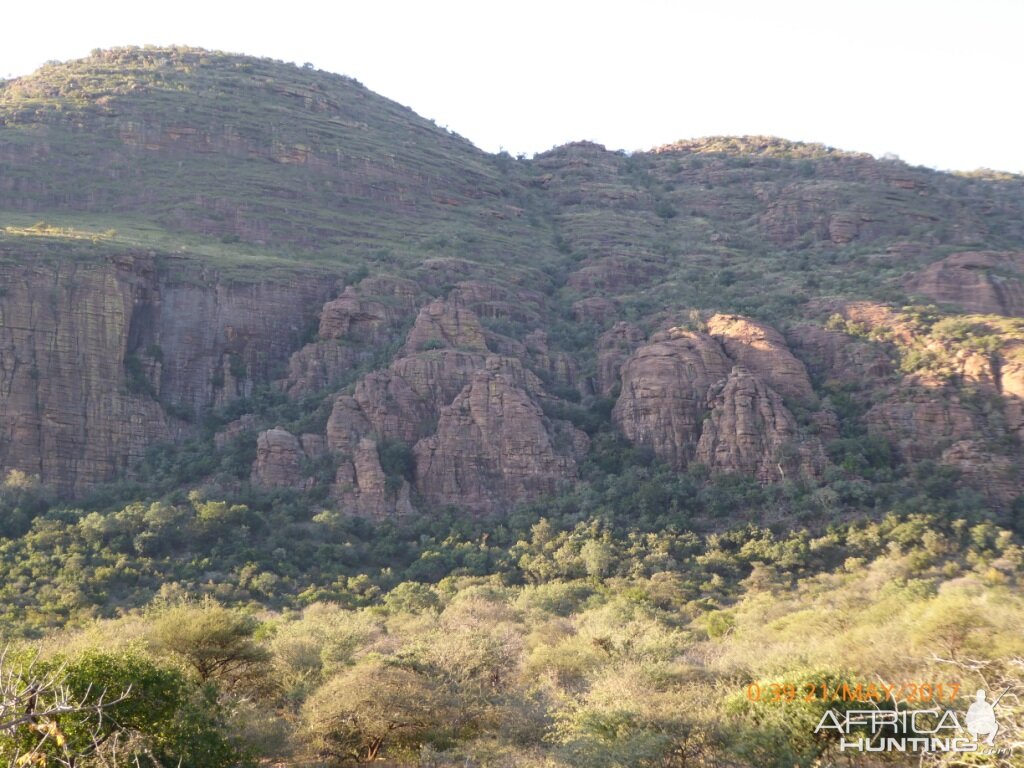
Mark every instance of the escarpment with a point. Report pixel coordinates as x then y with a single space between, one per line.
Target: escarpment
468 419
494 443
750 430
983 282
101 359
354 306
695 398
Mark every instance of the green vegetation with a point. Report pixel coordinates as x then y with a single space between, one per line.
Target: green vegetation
599 659
195 619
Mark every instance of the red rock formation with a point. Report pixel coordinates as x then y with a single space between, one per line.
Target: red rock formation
317 366
88 348
840 358
751 431
614 346
361 318
763 350
445 324
238 427
843 227
346 426
595 309
998 477
985 282
922 421
371 483
278 462
403 402
664 388
493 445
558 368
490 300
1011 384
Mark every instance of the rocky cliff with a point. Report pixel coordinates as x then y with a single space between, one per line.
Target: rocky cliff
275 264
105 357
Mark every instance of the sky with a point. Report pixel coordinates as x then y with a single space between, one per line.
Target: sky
936 82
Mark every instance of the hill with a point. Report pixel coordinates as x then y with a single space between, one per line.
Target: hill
208 225
313 413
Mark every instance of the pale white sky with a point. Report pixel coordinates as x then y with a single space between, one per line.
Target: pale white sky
937 82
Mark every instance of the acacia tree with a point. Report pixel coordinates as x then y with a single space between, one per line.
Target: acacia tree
372 708
216 642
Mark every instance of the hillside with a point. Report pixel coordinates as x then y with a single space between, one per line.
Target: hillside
207 225
269 338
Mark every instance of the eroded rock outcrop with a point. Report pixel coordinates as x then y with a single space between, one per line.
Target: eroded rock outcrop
346 425
318 366
1011 384
664 393
446 324
93 355
922 421
403 402
762 349
279 457
493 445
614 347
595 309
998 477
370 480
558 368
751 431
361 318
352 328
234 430
493 301
840 358
984 282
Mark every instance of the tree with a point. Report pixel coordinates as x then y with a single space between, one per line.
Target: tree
107 709
36 701
215 641
372 708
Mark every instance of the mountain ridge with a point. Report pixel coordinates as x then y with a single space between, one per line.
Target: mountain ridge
284 230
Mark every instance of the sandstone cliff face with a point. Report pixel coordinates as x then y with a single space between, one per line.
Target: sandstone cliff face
217 339
318 366
614 346
751 431
664 392
560 369
446 324
492 444
922 421
279 456
763 350
407 402
352 329
997 476
91 353
839 358
710 399
362 318
498 259
984 282
1011 383
66 413
404 401
361 485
